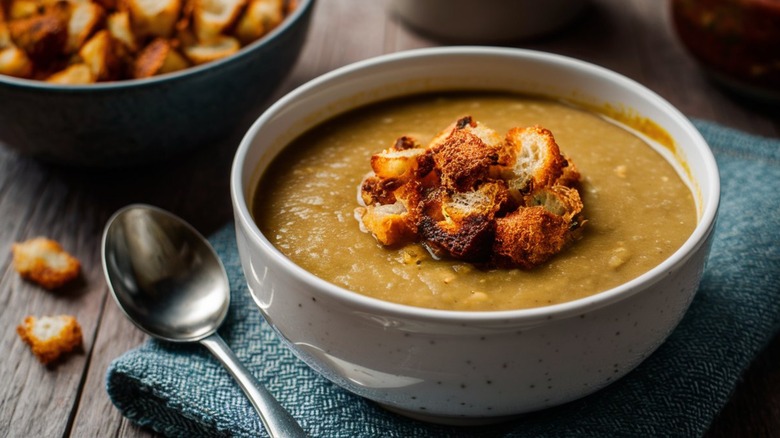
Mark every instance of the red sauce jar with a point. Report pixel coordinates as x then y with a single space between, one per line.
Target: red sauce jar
738 41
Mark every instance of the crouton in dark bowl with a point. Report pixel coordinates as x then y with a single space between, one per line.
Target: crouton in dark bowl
378 320
132 119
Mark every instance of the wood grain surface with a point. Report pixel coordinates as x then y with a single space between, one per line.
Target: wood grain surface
632 37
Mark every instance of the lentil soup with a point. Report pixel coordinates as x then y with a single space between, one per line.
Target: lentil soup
639 210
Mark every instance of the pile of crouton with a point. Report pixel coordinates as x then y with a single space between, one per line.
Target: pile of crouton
471 194
86 41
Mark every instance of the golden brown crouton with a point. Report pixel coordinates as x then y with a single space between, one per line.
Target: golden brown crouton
460 123
76 74
100 55
107 4
375 190
464 160
469 238
536 158
260 17
153 18
212 18
468 124
393 222
42 37
5 35
398 164
221 47
389 223
158 57
84 21
52 34
49 337
460 224
559 200
475 196
570 176
14 62
22 9
529 237
486 200
43 261
118 24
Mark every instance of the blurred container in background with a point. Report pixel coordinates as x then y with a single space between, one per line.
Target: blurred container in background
736 41
479 21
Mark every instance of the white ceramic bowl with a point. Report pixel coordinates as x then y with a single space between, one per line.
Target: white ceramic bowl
466 367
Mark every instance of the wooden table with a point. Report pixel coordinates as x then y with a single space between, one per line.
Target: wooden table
631 37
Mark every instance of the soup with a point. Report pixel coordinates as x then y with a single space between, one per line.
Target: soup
639 211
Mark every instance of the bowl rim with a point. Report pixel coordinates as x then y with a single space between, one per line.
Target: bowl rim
698 237
304 6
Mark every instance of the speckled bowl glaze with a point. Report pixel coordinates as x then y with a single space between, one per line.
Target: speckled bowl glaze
148 120
469 367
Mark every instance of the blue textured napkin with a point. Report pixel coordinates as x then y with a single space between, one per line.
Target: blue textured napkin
180 390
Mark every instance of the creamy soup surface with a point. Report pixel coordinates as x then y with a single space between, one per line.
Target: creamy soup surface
638 209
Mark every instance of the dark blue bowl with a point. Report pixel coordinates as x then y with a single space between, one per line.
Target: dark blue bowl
142 121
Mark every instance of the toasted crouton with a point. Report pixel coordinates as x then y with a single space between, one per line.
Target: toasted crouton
99 54
390 223
536 161
158 57
395 222
260 17
49 337
155 18
174 61
76 74
22 9
42 37
51 33
399 164
84 20
14 62
459 224
468 124
460 123
107 4
486 200
212 17
529 237
43 261
468 239
464 160
475 196
5 35
118 24
219 48
558 199
374 190
570 176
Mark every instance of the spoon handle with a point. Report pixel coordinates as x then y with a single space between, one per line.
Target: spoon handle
277 421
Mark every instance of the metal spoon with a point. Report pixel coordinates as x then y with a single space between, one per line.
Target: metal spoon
171 284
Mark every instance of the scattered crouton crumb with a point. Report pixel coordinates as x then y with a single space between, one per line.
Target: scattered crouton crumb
50 337
43 261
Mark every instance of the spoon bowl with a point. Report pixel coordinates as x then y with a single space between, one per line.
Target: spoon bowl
170 283
165 277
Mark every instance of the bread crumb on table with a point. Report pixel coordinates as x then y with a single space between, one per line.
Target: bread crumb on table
49 337
44 262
